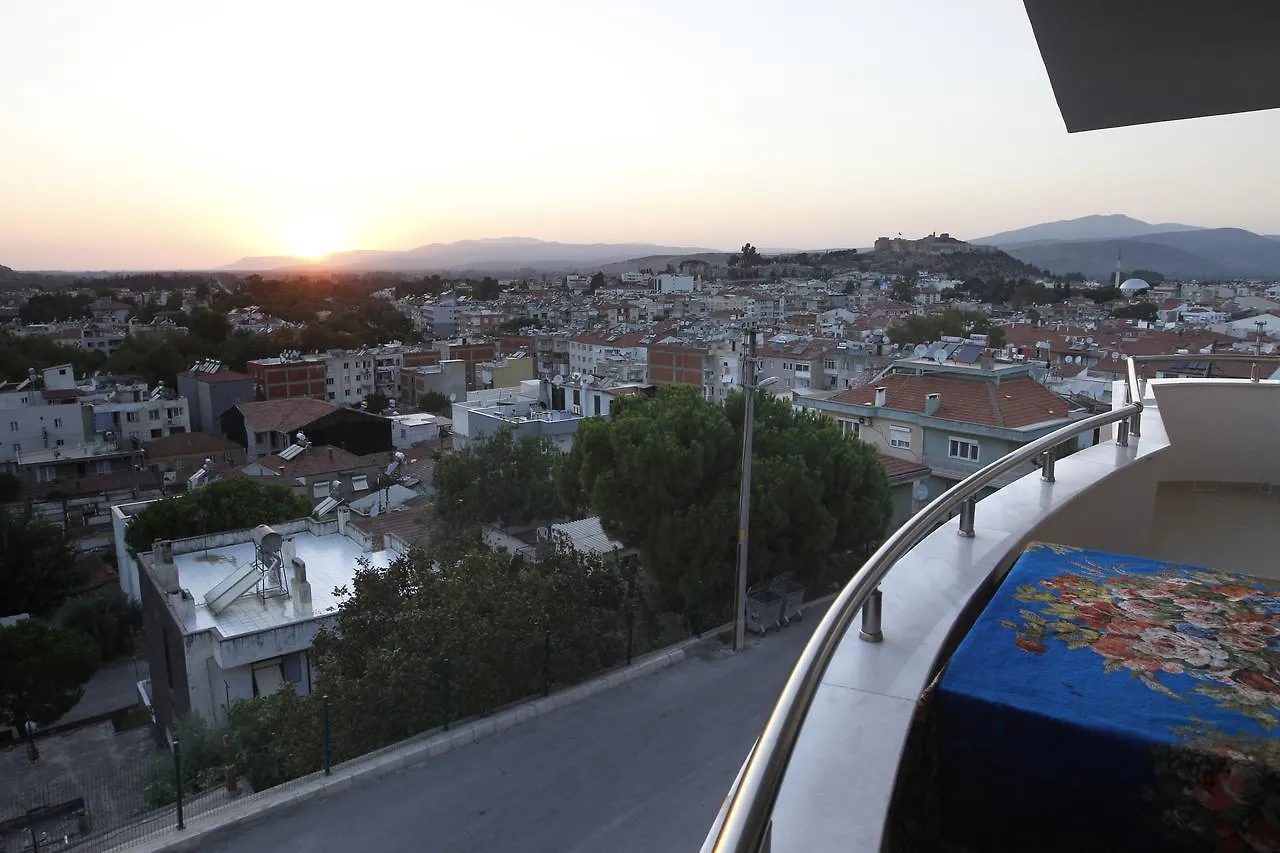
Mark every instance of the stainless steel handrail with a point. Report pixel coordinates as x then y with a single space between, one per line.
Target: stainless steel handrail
746 822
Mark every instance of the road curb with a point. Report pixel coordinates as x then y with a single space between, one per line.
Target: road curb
399 756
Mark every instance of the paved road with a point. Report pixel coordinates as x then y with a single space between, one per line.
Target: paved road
642 767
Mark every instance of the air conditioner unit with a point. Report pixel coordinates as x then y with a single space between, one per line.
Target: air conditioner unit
863 420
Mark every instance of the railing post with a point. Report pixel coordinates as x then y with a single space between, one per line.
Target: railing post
177 778
444 690
871 614
968 510
546 664
1253 371
1046 473
328 740
1122 432
631 627
1135 423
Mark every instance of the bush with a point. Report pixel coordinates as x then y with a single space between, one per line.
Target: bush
231 504
278 737
107 616
205 754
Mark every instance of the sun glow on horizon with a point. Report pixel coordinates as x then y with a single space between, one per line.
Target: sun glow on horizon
313 240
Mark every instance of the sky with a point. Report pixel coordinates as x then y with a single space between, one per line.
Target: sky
152 134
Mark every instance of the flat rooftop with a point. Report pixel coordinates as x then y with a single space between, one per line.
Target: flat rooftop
331 562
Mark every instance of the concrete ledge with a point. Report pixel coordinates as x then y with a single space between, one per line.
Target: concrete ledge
405 754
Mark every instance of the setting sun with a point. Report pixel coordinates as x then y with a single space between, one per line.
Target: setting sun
313 240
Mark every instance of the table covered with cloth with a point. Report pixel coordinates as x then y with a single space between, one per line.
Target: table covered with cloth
1110 702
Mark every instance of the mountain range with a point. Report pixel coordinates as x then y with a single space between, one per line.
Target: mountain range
492 254
1092 245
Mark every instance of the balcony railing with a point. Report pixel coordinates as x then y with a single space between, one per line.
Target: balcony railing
744 823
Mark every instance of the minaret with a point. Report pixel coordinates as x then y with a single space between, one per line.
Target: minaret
1119 255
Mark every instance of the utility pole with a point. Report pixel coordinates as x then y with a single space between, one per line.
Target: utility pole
744 492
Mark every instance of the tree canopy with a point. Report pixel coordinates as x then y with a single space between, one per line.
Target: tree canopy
663 476
37 565
231 504
931 327
500 478
44 673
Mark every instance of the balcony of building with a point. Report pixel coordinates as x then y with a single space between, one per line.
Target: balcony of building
1185 475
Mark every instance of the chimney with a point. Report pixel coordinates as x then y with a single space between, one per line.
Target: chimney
932 402
987 362
301 589
162 566
881 396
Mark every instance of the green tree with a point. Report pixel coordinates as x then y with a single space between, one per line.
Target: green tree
37 565
500 478
663 476
231 504
435 403
376 402
10 488
494 626
749 256
107 616
276 738
43 676
597 282
1136 311
931 327
210 326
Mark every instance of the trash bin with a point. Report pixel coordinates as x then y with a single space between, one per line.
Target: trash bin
791 594
764 609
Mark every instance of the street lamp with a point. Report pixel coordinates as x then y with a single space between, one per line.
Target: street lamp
749 387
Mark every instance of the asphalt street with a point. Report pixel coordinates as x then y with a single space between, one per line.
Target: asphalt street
642 767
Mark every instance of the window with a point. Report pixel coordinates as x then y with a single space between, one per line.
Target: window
155 433
13 426
319 490
829 364
848 427
59 442
328 381
267 677
131 417
332 395
259 437
962 448
57 423
359 482
900 437
154 414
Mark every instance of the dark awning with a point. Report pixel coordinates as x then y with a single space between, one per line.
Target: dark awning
1114 63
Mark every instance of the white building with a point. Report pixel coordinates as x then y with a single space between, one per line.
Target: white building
233 615
411 429
668 283
42 413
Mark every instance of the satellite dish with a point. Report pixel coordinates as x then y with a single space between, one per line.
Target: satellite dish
920 492
921 350
940 355
453 398
557 380
1115 356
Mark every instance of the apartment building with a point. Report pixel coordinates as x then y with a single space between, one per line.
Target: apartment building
678 364
42 412
210 389
471 352
953 417
338 376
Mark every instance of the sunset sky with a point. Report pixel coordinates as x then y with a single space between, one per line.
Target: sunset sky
142 134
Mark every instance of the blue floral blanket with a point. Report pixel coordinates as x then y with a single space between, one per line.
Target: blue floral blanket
1110 702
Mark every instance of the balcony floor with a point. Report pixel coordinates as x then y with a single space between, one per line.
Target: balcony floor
1226 526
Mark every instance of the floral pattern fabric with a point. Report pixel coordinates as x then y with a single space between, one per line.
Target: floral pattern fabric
1168 674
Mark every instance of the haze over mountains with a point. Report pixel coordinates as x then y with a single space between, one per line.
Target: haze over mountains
1091 244
501 253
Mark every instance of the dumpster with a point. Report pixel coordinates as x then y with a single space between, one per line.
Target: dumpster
764 609
792 595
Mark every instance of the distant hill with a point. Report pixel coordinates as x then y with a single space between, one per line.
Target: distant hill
494 254
1201 253
1097 227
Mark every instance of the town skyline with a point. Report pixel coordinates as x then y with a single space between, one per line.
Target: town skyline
149 136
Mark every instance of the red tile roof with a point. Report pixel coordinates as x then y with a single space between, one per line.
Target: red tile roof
1012 404
316 460
284 415
901 469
